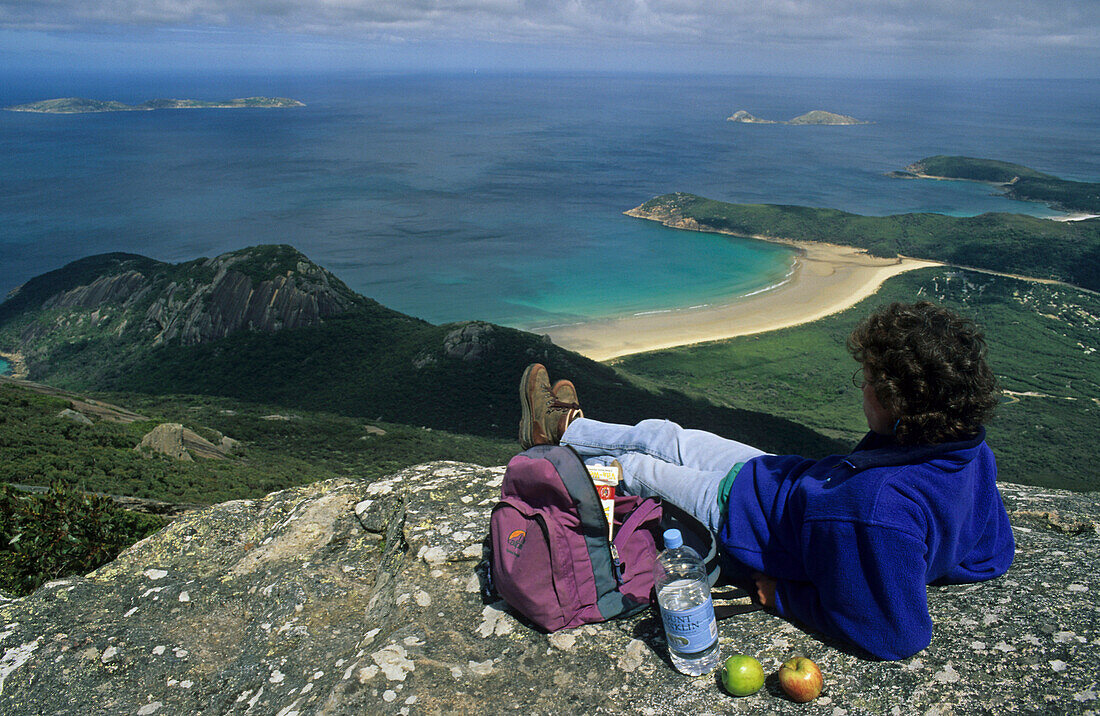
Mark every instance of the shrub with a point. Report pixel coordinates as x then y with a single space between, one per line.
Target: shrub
61 532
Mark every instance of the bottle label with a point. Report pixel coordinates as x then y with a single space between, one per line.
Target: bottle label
690 630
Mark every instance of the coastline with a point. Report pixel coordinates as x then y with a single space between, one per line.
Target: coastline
18 365
1076 216
826 279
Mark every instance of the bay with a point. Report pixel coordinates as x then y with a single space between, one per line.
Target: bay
500 197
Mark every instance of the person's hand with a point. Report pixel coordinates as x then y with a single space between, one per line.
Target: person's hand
765 588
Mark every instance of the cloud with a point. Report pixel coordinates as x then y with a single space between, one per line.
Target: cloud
914 28
712 21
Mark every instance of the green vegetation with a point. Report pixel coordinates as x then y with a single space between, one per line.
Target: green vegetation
988 170
1010 243
1020 182
370 391
223 104
80 105
818 116
67 531
39 447
1043 347
31 295
61 532
262 263
73 105
367 361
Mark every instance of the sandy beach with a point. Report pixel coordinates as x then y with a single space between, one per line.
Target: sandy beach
826 279
1079 216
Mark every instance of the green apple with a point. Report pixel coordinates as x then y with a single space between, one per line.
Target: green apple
742 675
801 679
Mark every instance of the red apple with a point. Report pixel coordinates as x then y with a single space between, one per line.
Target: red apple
801 679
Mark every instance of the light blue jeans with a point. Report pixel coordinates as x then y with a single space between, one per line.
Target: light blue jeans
662 459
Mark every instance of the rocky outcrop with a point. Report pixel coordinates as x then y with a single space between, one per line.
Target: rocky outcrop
345 597
180 443
668 211
819 116
127 287
746 118
232 301
76 417
470 341
257 289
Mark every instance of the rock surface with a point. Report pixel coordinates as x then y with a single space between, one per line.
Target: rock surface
470 341
345 597
746 118
264 288
819 116
76 417
176 441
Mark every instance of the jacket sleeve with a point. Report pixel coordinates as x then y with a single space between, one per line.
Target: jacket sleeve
866 587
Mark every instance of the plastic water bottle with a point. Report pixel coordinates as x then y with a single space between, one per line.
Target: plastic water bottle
687 611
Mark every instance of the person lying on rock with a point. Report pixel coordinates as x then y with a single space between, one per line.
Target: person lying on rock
846 544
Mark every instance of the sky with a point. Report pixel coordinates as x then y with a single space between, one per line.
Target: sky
860 38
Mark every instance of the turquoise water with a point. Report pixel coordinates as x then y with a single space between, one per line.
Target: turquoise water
5 367
694 268
501 197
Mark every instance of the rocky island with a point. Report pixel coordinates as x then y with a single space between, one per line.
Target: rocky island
817 116
80 105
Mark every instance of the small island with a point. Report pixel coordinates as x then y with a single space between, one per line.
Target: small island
80 105
1015 180
817 116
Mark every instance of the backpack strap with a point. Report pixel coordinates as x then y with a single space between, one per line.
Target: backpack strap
696 535
723 610
702 540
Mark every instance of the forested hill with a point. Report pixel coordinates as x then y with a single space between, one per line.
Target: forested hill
1067 251
265 324
1018 182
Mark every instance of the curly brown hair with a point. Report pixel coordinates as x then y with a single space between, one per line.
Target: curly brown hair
927 366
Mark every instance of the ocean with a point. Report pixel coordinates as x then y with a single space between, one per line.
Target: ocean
500 197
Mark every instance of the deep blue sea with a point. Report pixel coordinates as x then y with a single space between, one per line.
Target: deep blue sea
501 197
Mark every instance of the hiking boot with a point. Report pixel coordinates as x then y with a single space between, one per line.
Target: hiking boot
545 413
566 395
564 392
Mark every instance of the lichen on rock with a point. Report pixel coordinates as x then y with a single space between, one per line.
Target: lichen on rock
348 597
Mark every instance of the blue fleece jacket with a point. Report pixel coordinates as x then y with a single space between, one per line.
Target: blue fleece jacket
853 539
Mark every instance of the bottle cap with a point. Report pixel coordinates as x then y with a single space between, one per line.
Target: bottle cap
673 539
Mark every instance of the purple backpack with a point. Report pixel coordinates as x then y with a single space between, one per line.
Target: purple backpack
551 559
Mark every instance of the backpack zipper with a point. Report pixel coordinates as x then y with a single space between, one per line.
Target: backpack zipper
618 564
